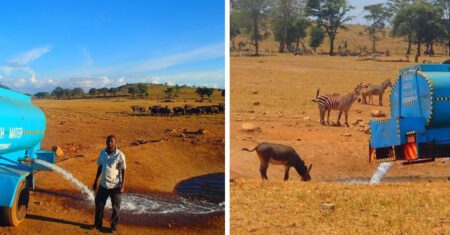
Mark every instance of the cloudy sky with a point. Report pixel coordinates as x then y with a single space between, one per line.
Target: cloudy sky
107 43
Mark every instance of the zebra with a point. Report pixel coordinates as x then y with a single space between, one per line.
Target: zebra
364 87
375 90
342 103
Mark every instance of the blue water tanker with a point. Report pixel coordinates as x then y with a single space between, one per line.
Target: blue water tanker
22 127
419 127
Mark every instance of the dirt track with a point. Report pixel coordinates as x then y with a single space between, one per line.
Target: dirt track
80 126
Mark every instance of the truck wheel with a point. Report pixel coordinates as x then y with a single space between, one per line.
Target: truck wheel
13 216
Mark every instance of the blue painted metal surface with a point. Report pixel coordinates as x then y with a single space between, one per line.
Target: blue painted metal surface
420 108
22 127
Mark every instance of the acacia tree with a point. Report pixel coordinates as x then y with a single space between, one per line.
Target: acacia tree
424 21
402 25
298 30
132 90
377 15
42 95
234 27
142 89
93 92
113 91
317 36
67 93
204 91
283 16
104 90
444 7
330 15
170 92
78 91
394 6
58 92
255 18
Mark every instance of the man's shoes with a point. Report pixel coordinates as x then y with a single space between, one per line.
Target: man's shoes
99 227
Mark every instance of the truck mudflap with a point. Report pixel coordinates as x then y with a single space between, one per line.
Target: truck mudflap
387 154
408 152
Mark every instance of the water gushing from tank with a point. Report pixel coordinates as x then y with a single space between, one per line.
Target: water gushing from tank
380 172
88 194
144 204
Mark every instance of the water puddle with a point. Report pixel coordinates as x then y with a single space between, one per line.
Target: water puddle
144 204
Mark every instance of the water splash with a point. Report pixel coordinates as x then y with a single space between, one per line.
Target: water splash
144 204
381 171
88 194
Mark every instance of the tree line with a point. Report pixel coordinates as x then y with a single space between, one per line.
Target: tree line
420 22
133 90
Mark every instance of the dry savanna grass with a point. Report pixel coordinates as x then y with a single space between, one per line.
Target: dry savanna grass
297 208
80 126
274 93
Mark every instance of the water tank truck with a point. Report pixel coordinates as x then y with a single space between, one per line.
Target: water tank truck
22 127
419 128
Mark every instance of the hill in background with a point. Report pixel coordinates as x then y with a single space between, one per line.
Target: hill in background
356 37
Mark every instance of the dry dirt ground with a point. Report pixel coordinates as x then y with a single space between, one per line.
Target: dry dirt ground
274 94
79 127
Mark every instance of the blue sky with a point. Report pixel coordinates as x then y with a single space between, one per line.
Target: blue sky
101 43
358 12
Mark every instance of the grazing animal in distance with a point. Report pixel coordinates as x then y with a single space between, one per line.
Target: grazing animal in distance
188 109
372 90
326 103
135 108
138 109
364 87
178 111
280 154
155 110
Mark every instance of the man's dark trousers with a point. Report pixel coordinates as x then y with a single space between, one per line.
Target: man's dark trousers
100 201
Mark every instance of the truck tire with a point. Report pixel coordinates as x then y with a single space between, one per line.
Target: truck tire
13 216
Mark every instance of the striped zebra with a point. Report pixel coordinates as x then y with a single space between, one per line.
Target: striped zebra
342 103
364 87
370 90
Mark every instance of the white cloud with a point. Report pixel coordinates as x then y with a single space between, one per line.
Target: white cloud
16 68
96 82
25 58
155 80
170 83
103 81
214 78
119 82
152 64
19 82
51 81
18 74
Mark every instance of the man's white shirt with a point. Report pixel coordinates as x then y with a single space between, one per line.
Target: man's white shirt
111 165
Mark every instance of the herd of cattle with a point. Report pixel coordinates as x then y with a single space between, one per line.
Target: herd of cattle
178 111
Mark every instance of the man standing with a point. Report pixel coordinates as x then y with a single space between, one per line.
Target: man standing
111 165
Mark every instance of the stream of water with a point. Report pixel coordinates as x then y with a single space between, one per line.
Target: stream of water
143 204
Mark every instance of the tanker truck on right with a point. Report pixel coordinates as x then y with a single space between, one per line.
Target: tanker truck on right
419 128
